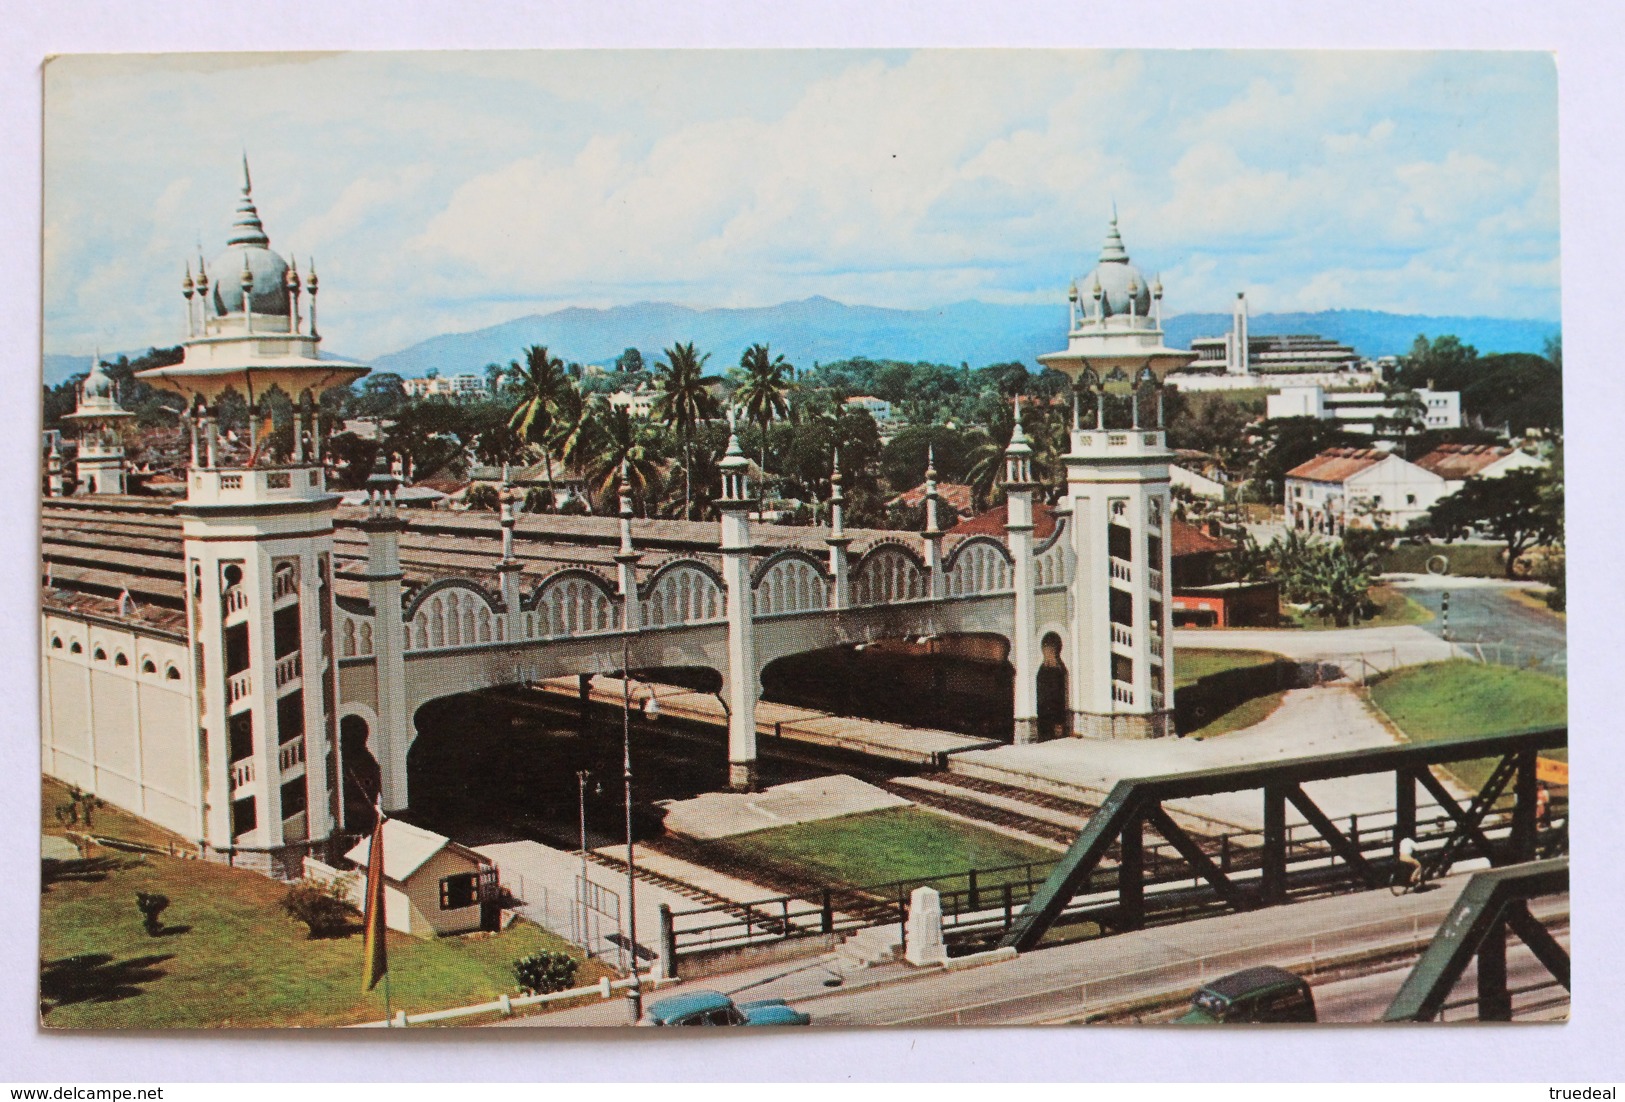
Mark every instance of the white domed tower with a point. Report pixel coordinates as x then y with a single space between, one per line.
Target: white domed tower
99 468
1121 670
258 530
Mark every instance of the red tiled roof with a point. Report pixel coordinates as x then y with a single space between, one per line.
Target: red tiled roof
1337 464
1461 461
1187 539
956 496
992 522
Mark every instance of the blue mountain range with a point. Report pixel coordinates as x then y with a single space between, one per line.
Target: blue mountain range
819 329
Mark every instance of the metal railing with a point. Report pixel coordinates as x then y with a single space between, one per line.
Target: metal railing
986 900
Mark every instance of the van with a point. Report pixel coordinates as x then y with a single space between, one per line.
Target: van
1263 994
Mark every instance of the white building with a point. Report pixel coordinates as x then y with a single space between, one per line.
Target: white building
1365 411
99 417
637 403
1240 353
878 408
448 386
1343 486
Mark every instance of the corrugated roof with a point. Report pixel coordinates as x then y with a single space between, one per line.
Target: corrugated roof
953 494
1338 464
1461 461
992 522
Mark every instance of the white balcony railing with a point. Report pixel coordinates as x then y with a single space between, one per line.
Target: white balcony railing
1154 577
235 599
1122 636
238 686
285 582
242 773
1122 694
291 755
287 669
295 828
1121 570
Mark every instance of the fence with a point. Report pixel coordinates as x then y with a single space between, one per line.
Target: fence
507 1004
987 900
1524 656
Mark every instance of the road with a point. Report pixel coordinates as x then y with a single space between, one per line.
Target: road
1484 615
1083 978
1364 998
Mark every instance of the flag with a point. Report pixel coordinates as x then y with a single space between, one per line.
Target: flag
373 925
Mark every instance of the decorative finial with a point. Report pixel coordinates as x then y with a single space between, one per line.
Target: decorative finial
248 184
930 463
187 286
835 474
310 280
248 229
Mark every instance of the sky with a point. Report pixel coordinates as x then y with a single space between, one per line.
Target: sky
443 192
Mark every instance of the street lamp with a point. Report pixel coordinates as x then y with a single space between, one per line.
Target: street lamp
634 993
581 783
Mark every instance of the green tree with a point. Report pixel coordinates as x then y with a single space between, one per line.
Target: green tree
1519 509
624 453
630 361
539 383
685 401
764 393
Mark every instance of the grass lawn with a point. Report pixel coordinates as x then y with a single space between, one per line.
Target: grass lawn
1393 609
229 956
1245 714
1535 599
1443 699
1467 560
109 822
876 847
1194 663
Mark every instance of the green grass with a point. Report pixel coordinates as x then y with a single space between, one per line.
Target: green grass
231 957
1447 699
1243 715
876 847
1392 608
1194 663
1467 560
109 822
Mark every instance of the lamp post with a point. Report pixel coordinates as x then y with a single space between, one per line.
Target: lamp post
581 783
634 993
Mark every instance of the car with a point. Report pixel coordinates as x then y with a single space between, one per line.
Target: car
1263 994
715 1008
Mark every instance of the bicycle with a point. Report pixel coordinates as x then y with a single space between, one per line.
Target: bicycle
1406 879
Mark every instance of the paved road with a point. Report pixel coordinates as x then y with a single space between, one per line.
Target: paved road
1484 616
1383 648
1071 979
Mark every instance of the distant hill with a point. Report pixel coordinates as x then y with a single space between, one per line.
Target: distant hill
821 329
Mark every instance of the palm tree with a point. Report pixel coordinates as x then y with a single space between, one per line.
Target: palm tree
621 442
540 383
764 395
684 402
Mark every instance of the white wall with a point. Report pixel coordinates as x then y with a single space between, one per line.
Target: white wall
127 735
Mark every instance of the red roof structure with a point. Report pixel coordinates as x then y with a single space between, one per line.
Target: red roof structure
1338 464
1459 462
1187 539
953 494
992 522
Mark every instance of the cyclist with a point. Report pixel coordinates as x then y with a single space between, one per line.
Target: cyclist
1407 858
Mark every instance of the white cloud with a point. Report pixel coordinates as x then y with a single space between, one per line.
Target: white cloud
448 191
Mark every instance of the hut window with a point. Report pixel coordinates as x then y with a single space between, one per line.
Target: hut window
461 890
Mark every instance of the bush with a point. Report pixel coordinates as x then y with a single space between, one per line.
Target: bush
151 905
325 909
545 972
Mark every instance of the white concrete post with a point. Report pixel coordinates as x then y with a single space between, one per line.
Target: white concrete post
840 586
922 936
735 506
1019 487
393 737
932 536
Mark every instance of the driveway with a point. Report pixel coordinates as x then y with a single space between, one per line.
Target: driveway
1382 648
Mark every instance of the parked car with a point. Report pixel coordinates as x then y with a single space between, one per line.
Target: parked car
715 1008
1264 994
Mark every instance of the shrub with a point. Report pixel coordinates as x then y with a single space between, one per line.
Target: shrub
545 972
151 905
324 908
